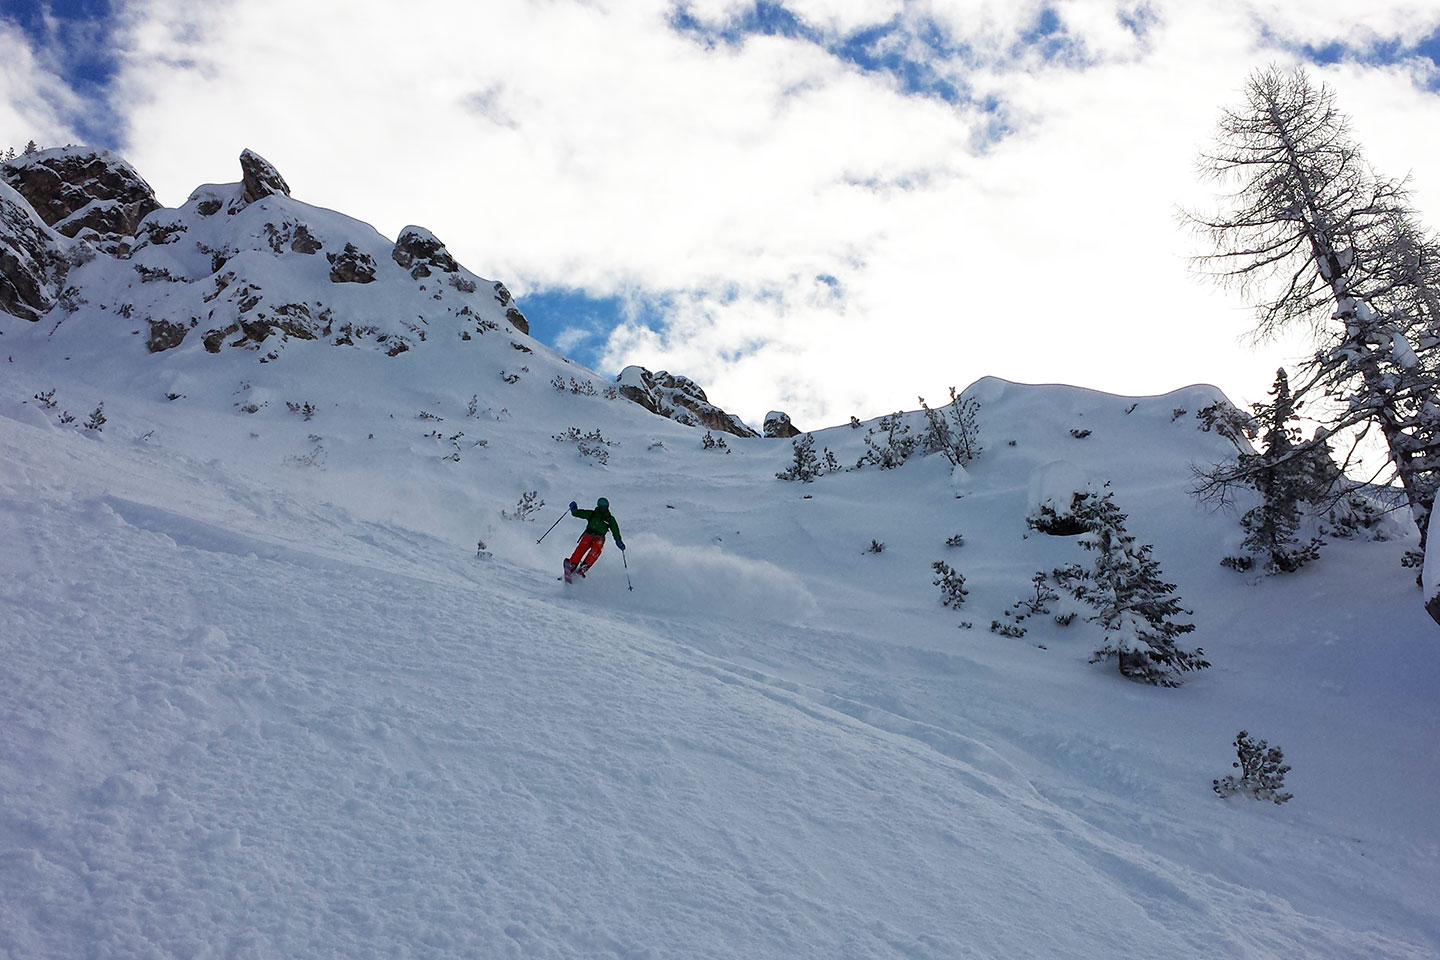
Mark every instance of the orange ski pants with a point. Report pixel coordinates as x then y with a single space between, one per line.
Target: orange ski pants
587 551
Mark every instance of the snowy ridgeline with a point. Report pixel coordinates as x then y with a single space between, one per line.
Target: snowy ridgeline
287 673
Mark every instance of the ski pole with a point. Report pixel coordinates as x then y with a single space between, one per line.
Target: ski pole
627 570
553 526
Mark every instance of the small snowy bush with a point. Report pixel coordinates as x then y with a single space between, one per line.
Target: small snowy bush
951 584
807 465
527 506
97 419
1262 771
953 429
712 442
591 444
894 445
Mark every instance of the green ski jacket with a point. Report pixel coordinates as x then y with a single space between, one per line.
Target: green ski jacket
598 522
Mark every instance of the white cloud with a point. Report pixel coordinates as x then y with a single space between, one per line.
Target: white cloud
589 146
34 101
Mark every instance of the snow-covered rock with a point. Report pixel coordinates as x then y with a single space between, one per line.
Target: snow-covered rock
777 424
679 399
259 177
242 265
32 259
418 250
351 265
80 190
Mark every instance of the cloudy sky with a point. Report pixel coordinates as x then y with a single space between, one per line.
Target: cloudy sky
827 207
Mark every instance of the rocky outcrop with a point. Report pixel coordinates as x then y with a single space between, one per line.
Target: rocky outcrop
512 312
259 179
351 266
421 252
79 190
777 424
32 260
679 399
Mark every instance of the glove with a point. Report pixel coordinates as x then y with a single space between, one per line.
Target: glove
574 506
620 544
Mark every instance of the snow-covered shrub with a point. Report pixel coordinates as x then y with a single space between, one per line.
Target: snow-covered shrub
1040 599
876 546
314 457
305 410
526 507
1354 516
958 540
807 465
1262 771
97 419
1132 604
1079 434
712 442
951 584
591 444
1034 605
46 398
1058 491
893 446
454 455
1230 422
953 430
582 388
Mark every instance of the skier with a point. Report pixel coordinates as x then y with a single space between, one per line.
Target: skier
592 541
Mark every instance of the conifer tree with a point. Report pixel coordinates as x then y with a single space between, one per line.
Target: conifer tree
1286 473
1322 241
1133 604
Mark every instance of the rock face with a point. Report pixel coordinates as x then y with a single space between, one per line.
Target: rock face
679 399
259 178
240 265
32 260
777 424
512 312
79 190
351 266
421 252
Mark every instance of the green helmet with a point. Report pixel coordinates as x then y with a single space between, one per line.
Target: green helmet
602 504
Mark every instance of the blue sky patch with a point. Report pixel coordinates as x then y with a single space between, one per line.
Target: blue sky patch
1382 52
76 39
887 48
578 324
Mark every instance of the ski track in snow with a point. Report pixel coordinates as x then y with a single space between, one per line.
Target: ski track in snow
254 709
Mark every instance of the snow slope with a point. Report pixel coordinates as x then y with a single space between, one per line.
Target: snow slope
262 692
